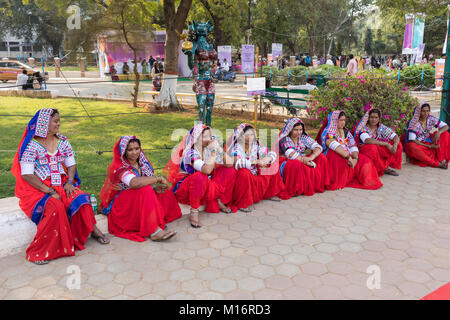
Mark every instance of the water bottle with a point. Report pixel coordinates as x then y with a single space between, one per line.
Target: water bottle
94 203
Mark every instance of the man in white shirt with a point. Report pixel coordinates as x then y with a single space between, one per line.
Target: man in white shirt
22 80
225 65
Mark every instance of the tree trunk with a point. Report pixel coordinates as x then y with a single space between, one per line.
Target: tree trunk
175 21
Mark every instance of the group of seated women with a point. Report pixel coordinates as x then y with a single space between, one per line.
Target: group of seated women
201 172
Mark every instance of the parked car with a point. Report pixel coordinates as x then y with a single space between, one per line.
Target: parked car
9 69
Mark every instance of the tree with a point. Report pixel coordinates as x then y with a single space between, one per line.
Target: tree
175 18
368 42
25 19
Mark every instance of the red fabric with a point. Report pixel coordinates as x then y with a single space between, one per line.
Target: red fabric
197 190
56 236
426 157
137 213
382 157
301 179
363 176
443 293
250 189
226 178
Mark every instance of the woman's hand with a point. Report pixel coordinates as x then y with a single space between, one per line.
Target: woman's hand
53 193
352 162
69 189
264 162
436 138
433 146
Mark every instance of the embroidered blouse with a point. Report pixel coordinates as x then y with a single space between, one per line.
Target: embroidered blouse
291 150
193 161
348 143
37 160
421 135
256 152
384 134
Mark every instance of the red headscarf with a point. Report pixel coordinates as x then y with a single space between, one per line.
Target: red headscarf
118 166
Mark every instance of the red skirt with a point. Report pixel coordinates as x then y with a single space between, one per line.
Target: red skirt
250 189
426 157
197 189
382 157
226 178
58 235
301 179
363 176
137 213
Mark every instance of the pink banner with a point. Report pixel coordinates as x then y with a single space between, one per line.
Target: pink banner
408 38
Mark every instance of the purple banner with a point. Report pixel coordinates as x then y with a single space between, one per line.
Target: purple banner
248 58
408 38
224 52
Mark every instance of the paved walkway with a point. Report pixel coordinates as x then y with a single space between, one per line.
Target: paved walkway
316 247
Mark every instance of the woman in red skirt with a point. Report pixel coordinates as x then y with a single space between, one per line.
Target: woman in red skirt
346 166
257 176
427 139
301 174
379 142
201 174
138 203
47 187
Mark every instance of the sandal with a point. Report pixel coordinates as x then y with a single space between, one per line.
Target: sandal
443 165
40 262
391 172
166 236
247 210
100 239
224 208
193 213
275 198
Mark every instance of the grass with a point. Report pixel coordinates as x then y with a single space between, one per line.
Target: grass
87 136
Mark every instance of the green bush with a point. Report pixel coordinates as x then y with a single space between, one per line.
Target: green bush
355 95
412 76
297 74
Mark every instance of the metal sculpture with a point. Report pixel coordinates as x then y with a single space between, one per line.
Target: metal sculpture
201 56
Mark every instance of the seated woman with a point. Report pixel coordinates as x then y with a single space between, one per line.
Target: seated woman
200 175
256 179
346 167
427 139
380 143
137 202
47 187
301 174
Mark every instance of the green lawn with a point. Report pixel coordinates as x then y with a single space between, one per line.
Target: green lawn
87 137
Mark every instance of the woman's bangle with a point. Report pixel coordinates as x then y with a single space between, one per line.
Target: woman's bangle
70 181
347 157
51 191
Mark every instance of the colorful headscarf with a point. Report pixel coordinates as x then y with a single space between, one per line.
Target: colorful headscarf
414 125
237 133
328 128
37 127
286 131
118 166
172 168
362 123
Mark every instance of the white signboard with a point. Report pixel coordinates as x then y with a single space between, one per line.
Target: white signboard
256 86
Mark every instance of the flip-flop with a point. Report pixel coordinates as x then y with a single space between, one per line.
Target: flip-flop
171 234
226 210
101 239
247 210
40 262
276 199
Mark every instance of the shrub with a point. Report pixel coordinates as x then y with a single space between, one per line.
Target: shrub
412 76
355 95
297 74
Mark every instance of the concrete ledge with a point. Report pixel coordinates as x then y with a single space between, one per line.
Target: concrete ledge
45 94
17 230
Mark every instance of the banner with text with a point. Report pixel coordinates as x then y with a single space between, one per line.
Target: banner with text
277 50
248 58
224 52
419 27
